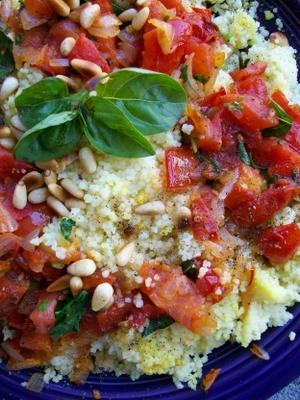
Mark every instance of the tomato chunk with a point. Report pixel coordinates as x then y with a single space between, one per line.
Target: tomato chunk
280 243
178 296
109 319
182 168
90 282
203 60
292 109
263 207
43 316
11 167
251 70
204 225
253 86
39 8
201 21
209 284
13 286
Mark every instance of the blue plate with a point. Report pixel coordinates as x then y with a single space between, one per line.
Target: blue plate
243 376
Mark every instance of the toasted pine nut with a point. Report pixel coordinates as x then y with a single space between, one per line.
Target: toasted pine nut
87 160
141 2
279 38
124 256
86 68
184 212
61 283
85 267
72 188
127 15
102 296
5 132
57 206
58 192
151 208
73 3
88 15
8 143
19 199
140 18
51 164
9 86
60 7
75 14
17 123
67 45
76 285
74 203
33 180
38 196
72 84
50 177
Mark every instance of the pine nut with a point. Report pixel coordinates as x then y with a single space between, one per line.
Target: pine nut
86 68
5 132
85 267
124 256
102 297
58 192
38 196
140 18
73 4
60 7
74 203
71 83
57 206
67 160
72 188
151 208
127 15
50 177
17 123
88 15
16 132
141 2
75 14
33 180
184 212
61 283
19 199
8 143
51 164
87 160
67 45
76 285
9 86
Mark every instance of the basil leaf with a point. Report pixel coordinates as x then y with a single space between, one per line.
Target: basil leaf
285 123
46 97
188 268
151 101
68 315
66 226
155 324
7 63
108 130
243 154
54 137
201 78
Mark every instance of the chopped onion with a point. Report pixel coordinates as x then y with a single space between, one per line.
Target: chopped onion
59 62
232 179
106 26
209 86
26 243
165 35
193 87
36 382
8 242
128 53
28 21
229 239
127 37
12 352
7 223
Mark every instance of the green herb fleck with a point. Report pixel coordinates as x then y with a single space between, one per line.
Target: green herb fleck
43 305
66 226
285 123
201 78
18 39
189 269
7 64
68 315
243 154
268 15
234 106
295 173
184 73
155 324
213 163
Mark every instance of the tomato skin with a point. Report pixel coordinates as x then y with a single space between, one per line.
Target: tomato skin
208 283
177 4
182 168
106 6
44 320
280 243
253 86
178 296
263 207
85 49
203 60
90 282
293 136
64 28
292 109
39 8
108 320
201 22
16 320
204 225
140 315
251 70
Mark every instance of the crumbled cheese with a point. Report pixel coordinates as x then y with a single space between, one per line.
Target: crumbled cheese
148 282
187 128
105 273
292 336
138 300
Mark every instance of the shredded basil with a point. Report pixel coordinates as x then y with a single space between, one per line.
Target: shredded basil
155 324
201 78
7 64
66 225
243 154
213 163
184 75
189 269
285 123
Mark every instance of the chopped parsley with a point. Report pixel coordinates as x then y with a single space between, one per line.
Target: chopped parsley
159 323
66 226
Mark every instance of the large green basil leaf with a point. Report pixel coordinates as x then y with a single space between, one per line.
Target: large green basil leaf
151 101
46 97
7 64
54 137
109 131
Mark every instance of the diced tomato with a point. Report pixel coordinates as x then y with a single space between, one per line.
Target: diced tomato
13 286
86 49
43 316
178 296
263 207
292 109
109 319
140 315
203 60
64 28
177 4
39 8
212 100
201 21
204 225
36 259
182 168
208 284
36 341
251 70
90 282
16 320
249 184
89 322
253 86
280 243
293 136
9 166
252 113
106 6
287 169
